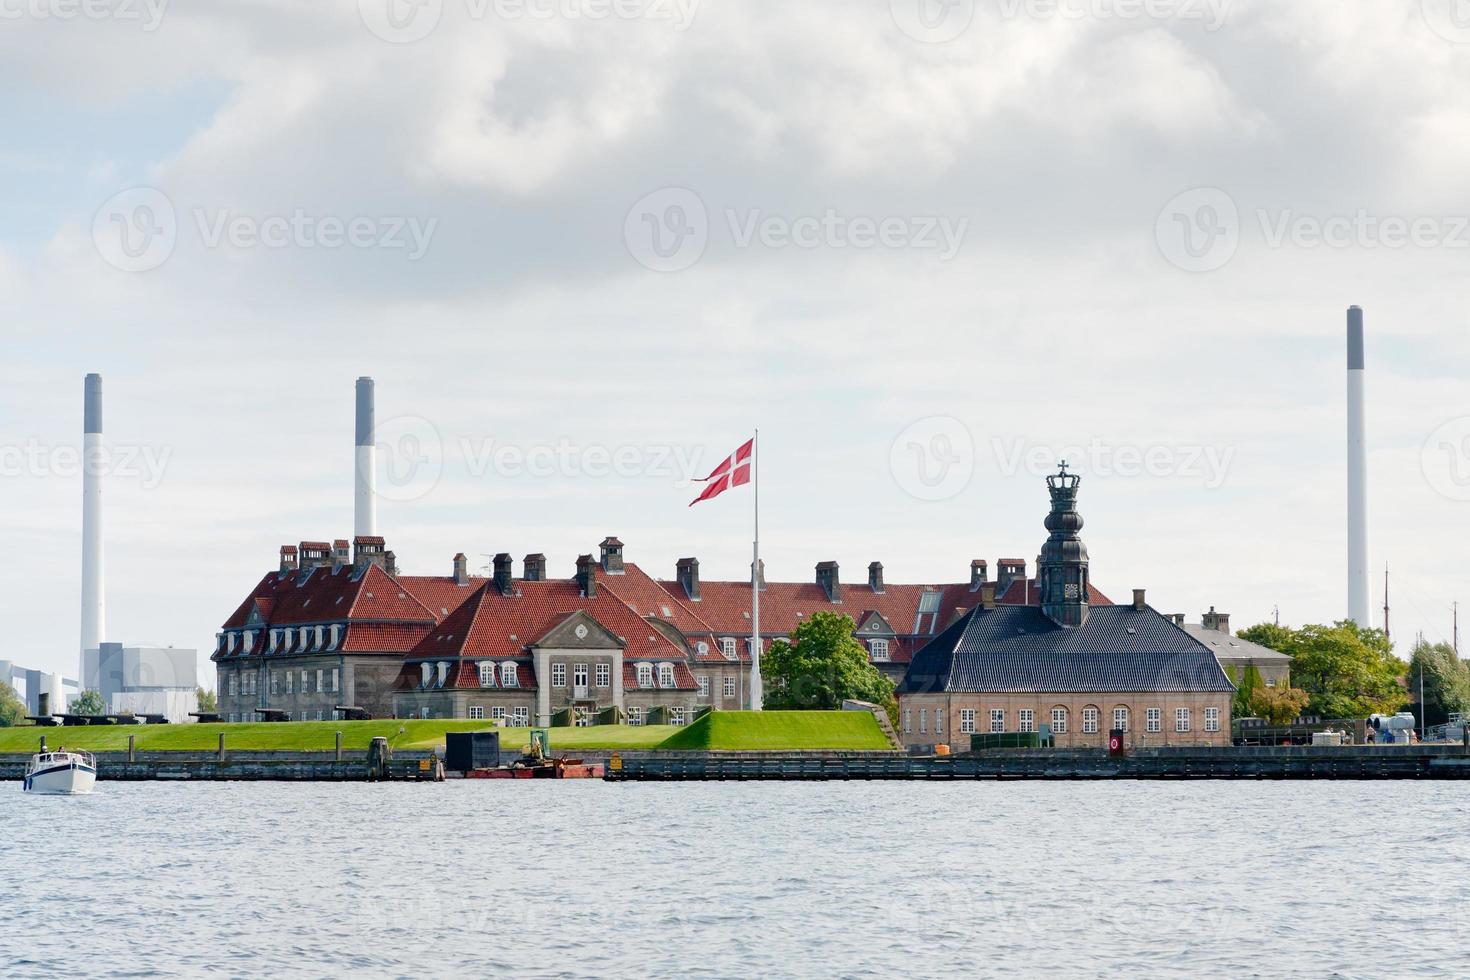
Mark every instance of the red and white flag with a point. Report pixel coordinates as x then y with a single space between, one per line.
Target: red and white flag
733 472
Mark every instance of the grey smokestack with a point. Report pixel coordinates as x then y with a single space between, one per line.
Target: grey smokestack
94 588
1357 467
365 488
92 405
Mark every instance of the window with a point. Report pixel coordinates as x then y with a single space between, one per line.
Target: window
275 682
928 603
234 684
582 718
579 677
665 675
997 719
508 675
729 687
635 716
305 631
1089 720
319 686
520 717
443 672
1181 719
476 712
497 713
558 675
727 647
290 680
938 721
1120 718
908 720
879 650
487 674
336 679
703 687
1212 719
676 716
1027 720
305 675
1154 720
604 675
922 714
1059 721
645 675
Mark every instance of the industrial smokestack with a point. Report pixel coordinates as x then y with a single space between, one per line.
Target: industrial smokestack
365 509
1357 464
94 594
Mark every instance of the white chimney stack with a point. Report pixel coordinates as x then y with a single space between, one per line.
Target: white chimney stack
1357 474
94 592
365 509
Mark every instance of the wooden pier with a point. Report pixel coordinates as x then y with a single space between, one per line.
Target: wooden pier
1294 762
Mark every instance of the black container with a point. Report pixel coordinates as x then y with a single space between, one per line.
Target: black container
464 751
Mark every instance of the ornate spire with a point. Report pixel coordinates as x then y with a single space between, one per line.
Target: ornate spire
1062 572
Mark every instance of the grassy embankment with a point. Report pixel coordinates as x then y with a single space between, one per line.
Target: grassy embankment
719 730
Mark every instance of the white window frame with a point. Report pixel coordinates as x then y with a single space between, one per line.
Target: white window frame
645 676
729 687
1060 717
997 720
477 713
878 650
666 676
1181 720
923 714
509 676
1026 720
635 715
908 721
580 676
703 680
938 721
604 674
1091 717
967 721
1122 717
559 674
497 712
727 648
487 673
520 716
676 715
1212 719
1153 720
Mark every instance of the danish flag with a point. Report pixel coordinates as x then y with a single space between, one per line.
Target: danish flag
733 472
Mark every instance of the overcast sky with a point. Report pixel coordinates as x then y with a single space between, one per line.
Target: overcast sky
585 248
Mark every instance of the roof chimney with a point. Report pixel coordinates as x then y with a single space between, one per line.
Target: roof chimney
828 579
535 568
390 563
1008 570
461 569
612 555
368 550
987 595
315 554
979 573
288 558
502 574
687 572
1138 600
341 554
1218 621
587 576
875 576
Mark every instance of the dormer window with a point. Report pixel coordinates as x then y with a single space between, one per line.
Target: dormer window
427 670
645 675
727 647
318 638
336 630
305 632
443 672
508 675
231 647
665 675
487 674
879 650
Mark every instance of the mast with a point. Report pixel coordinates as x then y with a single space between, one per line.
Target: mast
756 693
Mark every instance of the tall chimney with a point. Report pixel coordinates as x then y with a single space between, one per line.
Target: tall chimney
979 573
94 587
288 558
829 580
535 568
587 575
687 572
461 569
1357 467
502 573
875 576
365 496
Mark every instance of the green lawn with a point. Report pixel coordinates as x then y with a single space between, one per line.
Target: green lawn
772 730
781 730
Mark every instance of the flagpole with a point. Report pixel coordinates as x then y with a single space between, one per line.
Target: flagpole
756 694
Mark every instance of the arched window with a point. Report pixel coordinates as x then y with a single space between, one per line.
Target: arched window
1059 720
305 630
665 675
427 671
1089 720
508 676
645 675
487 673
443 672
1120 717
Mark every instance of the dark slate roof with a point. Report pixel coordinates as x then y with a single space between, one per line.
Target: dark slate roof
1017 649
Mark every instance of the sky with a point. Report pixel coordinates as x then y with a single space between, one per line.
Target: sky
585 247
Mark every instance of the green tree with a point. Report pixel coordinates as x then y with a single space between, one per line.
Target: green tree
1278 705
1446 682
12 708
207 700
822 666
90 703
1247 682
1346 670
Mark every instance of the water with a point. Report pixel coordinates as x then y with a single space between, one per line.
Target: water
776 879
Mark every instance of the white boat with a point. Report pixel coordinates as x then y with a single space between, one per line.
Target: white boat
61 773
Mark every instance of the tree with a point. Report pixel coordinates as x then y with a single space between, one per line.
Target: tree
12 708
90 703
1247 683
1446 682
1278 705
207 700
1346 670
822 666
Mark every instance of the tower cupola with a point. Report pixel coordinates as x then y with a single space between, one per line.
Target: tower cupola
1062 573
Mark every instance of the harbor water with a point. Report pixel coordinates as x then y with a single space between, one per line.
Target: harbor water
587 879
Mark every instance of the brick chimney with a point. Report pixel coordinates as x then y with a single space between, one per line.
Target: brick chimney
1218 621
1008 570
288 558
875 576
1139 602
368 550
502 574
315 554
687 572
461 569
535 568
611 551
587 575
987 595
828 579
979 573
341 554
390 563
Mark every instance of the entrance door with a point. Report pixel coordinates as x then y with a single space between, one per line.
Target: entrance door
579 681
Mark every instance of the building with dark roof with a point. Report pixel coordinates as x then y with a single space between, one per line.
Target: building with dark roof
1080 669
